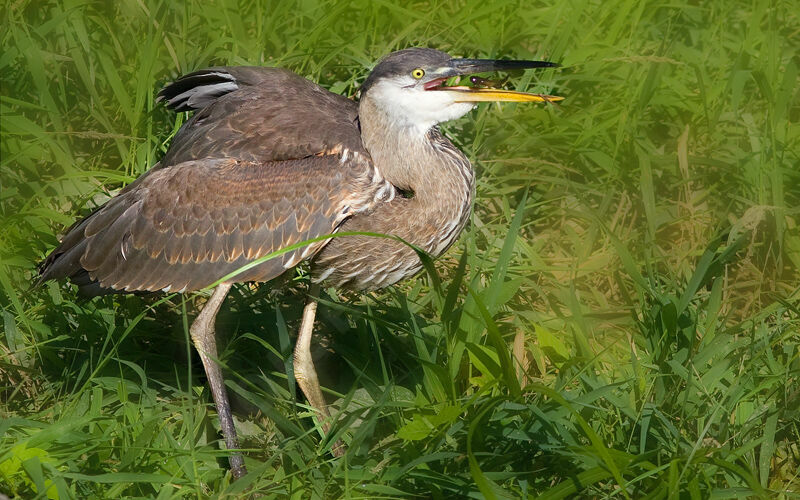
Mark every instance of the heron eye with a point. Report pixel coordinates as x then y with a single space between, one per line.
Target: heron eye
418 73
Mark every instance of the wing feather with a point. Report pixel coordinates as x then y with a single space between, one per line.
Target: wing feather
258 114
257 168
191 224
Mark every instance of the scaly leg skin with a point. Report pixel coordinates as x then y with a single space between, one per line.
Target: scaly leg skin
203 336
304 371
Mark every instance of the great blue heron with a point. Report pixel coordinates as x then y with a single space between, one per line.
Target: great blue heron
270 160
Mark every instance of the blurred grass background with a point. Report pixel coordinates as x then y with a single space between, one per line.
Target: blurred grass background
621 318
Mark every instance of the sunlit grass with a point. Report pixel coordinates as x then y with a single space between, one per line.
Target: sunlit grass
619 320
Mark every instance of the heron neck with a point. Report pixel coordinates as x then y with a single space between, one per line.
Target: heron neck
418 161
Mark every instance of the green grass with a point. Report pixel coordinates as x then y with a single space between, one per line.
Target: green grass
621 319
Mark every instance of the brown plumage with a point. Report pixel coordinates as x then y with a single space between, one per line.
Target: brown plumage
271 159
235 186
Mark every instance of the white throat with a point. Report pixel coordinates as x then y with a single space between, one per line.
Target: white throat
414 107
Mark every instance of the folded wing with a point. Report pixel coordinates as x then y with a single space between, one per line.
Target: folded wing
258 114
269 160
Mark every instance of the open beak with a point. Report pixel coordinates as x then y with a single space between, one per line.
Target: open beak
461 67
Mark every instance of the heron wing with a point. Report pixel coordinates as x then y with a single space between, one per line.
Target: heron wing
268 160
185 227
258 114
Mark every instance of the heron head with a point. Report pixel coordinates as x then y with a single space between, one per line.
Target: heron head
418 86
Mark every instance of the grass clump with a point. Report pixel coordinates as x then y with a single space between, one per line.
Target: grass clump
621 318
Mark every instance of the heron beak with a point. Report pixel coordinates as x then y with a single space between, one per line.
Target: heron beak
461 93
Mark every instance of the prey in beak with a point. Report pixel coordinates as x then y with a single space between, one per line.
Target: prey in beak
447 79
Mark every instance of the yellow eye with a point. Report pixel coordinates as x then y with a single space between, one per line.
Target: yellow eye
418 73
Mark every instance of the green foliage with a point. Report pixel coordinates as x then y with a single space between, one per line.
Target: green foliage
621 319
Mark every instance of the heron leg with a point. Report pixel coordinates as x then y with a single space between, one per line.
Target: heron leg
204 338
304 371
